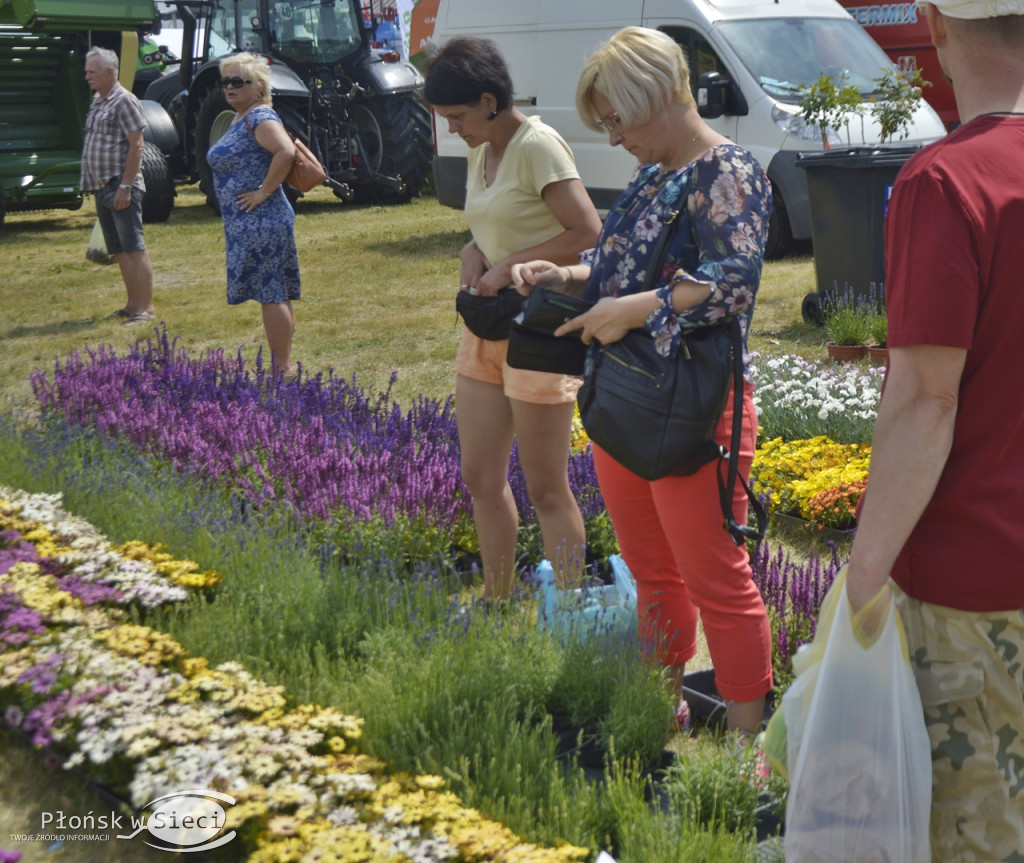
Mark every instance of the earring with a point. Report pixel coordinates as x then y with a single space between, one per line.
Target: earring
492 115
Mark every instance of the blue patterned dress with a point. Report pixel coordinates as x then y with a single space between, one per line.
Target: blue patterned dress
262 261
724 200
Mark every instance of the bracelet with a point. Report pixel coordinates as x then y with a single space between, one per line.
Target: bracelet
265 194
572 278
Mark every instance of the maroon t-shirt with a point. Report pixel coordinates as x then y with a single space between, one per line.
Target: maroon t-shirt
955 277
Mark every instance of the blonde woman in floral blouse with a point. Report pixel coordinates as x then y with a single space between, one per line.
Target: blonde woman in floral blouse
636 87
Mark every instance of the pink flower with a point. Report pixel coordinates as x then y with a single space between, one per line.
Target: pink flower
727 199
743 239
648 228
740 301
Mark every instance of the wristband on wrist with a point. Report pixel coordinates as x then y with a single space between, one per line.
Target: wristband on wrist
572 278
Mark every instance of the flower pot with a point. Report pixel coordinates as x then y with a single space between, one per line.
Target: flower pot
846 353
796 526
879 355
707 707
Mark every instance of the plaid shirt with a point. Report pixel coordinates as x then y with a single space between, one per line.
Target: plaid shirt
107 126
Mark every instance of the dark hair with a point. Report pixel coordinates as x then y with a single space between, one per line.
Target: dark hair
463 70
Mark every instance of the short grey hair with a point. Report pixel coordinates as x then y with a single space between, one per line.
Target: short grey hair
108 59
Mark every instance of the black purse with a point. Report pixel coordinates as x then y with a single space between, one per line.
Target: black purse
490 317
657 416
533 345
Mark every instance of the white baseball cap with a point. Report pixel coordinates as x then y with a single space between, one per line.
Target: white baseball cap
978 8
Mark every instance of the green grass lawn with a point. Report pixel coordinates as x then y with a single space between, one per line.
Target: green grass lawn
378 289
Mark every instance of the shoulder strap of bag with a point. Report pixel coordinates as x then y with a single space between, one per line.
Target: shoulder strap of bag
740 533
658 255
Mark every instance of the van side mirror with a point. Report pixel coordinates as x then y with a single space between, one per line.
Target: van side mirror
717 96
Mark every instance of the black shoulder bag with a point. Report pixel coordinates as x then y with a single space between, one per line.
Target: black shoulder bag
657 415
489 317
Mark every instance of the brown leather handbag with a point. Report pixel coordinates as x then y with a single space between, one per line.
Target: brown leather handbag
307 173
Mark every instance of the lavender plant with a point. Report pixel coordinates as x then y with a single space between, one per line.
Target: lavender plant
793 591
361 470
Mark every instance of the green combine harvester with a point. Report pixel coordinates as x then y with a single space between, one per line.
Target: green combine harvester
44 99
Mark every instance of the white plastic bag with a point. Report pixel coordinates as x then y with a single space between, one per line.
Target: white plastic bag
852 736
97 249
584 613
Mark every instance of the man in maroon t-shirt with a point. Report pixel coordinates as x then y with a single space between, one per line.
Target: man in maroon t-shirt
944 509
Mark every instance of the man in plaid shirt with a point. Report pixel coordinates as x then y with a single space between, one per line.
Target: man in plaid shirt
111 159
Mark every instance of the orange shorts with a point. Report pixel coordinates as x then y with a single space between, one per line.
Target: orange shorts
484 360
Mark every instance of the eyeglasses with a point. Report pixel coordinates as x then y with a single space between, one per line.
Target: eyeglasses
237 81
611 123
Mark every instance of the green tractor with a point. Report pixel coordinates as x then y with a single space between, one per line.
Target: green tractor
44 99
355 106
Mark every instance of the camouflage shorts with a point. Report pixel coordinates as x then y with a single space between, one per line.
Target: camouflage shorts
969 669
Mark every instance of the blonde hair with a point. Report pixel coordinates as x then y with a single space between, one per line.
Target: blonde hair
255 68
639 71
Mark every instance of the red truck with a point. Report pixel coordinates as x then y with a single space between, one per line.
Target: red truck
902 32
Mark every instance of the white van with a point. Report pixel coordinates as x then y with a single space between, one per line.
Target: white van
748 60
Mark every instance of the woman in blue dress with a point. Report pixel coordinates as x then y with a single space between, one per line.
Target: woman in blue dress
249 163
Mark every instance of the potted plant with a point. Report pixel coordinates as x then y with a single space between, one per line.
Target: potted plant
831 105
894 102
828 104
878 325
848 322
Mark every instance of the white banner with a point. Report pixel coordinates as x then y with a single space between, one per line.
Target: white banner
404 8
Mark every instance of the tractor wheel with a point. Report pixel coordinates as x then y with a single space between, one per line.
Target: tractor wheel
780 236
395 135
158 201
212 121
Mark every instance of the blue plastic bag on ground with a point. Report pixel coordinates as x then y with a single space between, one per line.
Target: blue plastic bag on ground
591 611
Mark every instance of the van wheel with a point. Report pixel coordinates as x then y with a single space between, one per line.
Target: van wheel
780 237
158 201
212 121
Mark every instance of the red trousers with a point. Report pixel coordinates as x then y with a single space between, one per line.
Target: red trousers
686 564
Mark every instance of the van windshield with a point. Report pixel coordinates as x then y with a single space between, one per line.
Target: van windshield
786 55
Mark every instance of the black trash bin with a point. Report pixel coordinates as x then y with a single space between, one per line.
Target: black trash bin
848 190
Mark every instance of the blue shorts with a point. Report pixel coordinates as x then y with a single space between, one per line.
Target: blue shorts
122 229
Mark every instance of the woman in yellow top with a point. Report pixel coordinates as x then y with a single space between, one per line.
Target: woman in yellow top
524 200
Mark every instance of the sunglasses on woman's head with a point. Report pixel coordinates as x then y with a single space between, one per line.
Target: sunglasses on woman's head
236 81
